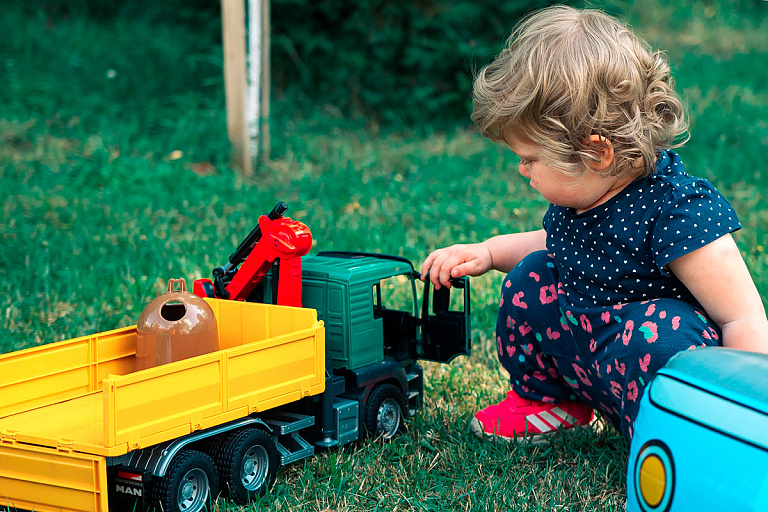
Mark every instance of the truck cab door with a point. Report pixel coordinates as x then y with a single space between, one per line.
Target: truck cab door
445 328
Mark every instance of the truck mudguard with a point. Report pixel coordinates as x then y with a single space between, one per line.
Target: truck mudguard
388 369
157 458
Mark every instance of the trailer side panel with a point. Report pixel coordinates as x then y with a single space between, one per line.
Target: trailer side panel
46 480
270 356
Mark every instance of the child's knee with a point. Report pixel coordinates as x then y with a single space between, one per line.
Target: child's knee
532 282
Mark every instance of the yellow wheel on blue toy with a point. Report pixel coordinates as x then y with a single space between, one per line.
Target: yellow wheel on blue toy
654 477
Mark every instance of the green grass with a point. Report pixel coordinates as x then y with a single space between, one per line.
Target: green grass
114 177
436 465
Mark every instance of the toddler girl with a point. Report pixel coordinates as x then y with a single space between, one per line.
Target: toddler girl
635 261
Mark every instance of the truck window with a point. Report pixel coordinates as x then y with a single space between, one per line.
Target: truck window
394 293
456 302
376 301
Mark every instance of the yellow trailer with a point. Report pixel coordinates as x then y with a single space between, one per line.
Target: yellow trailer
82 430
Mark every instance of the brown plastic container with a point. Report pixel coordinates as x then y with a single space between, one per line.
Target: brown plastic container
174 326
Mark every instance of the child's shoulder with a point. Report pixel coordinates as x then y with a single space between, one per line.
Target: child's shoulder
670 171
672 181
672 195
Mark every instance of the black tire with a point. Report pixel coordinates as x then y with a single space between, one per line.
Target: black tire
190 484
247 462
384 412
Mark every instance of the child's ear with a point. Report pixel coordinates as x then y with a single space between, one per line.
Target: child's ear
603 149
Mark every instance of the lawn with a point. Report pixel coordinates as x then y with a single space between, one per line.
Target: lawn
114 176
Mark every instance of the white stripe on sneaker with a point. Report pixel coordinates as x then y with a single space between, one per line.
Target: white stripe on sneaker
567 418
538 423
551 419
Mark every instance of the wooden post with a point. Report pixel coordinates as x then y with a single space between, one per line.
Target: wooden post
235 82
265 80
258 77
254 73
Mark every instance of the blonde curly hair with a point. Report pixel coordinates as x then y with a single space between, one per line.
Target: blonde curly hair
566 74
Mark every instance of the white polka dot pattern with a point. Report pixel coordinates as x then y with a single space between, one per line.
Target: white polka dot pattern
617 252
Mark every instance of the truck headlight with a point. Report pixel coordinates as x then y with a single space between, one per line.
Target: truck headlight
654 477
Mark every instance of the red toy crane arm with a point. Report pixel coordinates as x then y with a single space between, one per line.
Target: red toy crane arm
276 237
282 238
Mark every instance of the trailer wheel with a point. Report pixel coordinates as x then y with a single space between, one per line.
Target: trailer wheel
247 461
190 483
384 411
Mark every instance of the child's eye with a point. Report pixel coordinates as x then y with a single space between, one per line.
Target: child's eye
523 161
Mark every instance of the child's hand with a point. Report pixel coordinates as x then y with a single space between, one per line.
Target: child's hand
456 261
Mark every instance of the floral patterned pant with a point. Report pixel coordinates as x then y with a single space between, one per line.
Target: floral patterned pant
604 356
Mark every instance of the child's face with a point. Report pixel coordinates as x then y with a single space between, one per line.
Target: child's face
581 192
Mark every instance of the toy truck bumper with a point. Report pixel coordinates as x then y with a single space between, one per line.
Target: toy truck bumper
48 480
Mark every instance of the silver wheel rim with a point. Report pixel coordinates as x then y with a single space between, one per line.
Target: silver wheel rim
254 467
388 418
193 491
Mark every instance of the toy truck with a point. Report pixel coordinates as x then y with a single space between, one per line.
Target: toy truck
82 430
368 303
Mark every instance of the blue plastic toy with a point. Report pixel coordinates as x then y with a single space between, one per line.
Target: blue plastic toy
701 435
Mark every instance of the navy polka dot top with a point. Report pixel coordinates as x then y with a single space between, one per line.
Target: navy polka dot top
617 252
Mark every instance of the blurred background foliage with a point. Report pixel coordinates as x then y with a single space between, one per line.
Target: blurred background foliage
113 127
402 61
395 62
113 138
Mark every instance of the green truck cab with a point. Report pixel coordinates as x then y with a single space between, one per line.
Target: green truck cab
376 331
370 308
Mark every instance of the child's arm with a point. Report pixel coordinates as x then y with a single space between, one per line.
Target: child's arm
719 279
501 252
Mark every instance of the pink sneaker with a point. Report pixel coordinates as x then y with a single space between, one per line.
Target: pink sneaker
516 416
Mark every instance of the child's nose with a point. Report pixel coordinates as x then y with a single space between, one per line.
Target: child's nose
523 170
